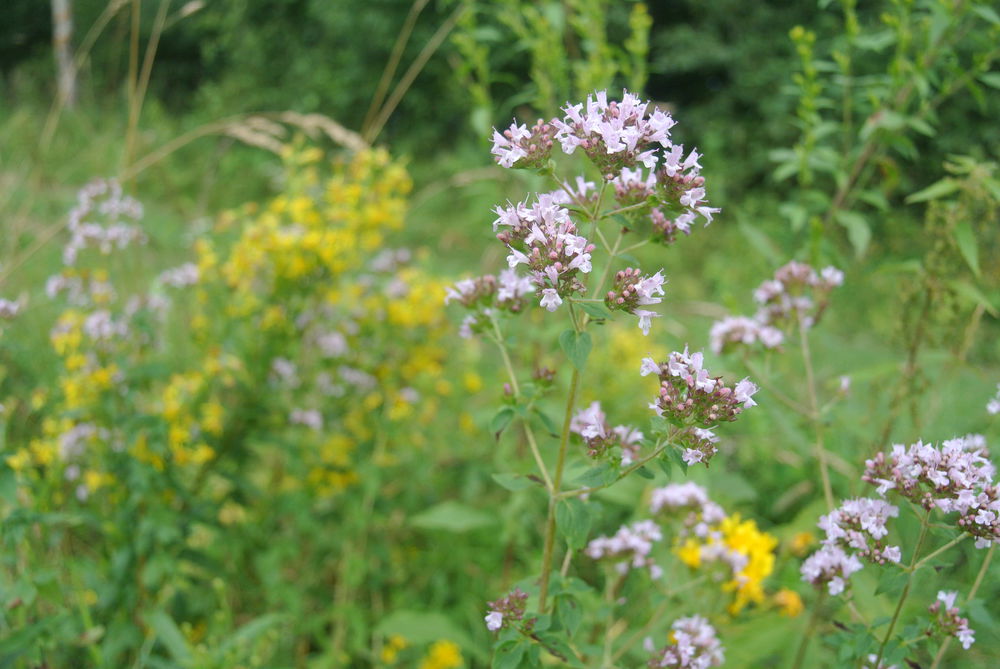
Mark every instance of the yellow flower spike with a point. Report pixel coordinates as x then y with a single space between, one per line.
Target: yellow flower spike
20 461
212 414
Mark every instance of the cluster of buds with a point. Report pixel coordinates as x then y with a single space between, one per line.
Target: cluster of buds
958 477
507 611
550 248
632 290
689 395
629 548
634 187
699 512
486 294
699 445
693 645
592 425
947 621
680 181
614 135
677 185
859 525
103 199
519 146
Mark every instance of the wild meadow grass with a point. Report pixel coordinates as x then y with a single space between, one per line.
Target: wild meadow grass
275 393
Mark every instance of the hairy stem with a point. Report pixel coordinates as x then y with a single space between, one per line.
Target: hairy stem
820 449
800 654
906 588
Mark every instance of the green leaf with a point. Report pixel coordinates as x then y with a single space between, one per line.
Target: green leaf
761 243
569 613
421 627
573 521
973 294
549 424
248 633
892 582
858 231
966 241
991 79
509 656
595 309
665 465
644 473
597 475
452 516
513 482
501 420
936 190
170 636
577 347
987 13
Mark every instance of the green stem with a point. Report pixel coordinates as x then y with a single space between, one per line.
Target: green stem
906 589
550 523
933 555
820 449
586 491
655 618
528 432
631 207
800 654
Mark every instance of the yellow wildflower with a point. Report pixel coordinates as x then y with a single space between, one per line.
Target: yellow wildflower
442 655
788 602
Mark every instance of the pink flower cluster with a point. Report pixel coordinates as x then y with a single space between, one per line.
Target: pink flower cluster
520 147
947 621
797 295
689 394
693 645
859 525
592 425
614 134
630 547
549 246
700 512
701 520
955 478
832 566
633 290
677 184
104 200
617 136
853 531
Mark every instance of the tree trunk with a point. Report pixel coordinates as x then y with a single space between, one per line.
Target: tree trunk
62 35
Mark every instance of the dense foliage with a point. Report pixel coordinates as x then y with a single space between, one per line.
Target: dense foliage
274 392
